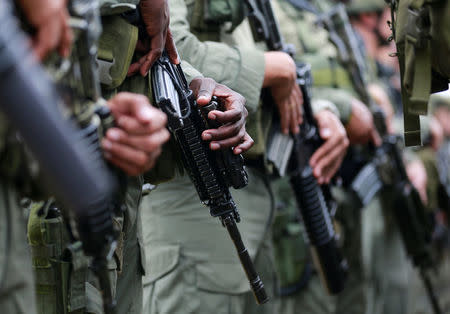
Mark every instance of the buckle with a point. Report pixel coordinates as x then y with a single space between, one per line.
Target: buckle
104 68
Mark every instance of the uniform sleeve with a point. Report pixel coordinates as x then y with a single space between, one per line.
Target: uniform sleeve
189 71
241 69
324 104
340 98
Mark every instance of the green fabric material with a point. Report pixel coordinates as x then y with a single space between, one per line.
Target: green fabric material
342 100
418 302
312 300
385 262
17 287
177 290
116 30
291 251
184 240
421 51
331 81
323 104
221 11
65 284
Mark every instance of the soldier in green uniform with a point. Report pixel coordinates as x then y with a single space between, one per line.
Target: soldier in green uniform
437 165
66 285
197 262
298 21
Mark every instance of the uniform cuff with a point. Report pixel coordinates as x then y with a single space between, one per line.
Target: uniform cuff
342 99
189 71
323 104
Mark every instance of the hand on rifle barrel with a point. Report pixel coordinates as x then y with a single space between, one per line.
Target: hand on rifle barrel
361 128
328 157
232 132
155 15
280 76
136 142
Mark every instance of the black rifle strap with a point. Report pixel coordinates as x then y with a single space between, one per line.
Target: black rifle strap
304 5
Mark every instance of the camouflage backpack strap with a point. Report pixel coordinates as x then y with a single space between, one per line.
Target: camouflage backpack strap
413 38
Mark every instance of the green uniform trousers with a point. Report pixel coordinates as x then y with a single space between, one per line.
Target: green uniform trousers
386 264
418 302
353 299
16 276
193 265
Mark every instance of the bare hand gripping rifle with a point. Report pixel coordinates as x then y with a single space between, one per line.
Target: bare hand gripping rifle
314 201
69 160
212 173
386 170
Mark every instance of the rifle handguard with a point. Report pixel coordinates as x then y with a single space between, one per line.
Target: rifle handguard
208 170
319 227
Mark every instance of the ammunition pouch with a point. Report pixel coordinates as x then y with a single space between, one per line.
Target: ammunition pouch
64 282
292 258
116 48
209 15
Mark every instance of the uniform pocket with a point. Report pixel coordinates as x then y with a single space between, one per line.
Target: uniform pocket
161 260
222 278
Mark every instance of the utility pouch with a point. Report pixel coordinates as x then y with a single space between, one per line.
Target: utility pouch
292 258
209 15
420 34
116 48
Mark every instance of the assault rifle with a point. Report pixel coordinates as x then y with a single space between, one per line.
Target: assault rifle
75 174
315 202
212 173
386 170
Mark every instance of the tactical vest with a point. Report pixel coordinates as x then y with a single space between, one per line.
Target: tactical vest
422 35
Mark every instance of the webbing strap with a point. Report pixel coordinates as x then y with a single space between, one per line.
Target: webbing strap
418 60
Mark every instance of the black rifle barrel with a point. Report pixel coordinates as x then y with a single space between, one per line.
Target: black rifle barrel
30 103
256 283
